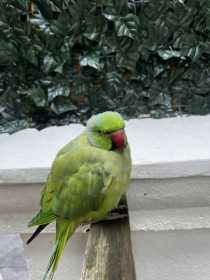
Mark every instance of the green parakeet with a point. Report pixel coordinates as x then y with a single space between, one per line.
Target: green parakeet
87 179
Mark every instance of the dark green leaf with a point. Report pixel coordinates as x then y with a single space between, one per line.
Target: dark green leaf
93 60
167 54
49 63
126 26
57 90
62 105
38 96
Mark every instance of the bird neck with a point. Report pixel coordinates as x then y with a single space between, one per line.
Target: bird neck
98 140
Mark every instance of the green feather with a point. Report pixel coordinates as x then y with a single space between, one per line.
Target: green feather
100 126
42 218
64 230
106 122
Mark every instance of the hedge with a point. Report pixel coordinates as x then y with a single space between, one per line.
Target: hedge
61 61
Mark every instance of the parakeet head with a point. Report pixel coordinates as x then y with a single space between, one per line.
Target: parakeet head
106 131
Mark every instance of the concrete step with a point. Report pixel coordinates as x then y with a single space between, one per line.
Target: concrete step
38 253
140 220
174 255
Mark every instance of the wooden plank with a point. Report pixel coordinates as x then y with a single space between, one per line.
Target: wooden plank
108 253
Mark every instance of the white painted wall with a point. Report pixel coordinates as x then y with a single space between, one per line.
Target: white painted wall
169 196
172 255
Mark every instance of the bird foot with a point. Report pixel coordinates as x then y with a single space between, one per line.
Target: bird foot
110 218
119 213
121 209
116 214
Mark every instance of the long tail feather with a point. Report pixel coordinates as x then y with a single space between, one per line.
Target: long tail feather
36 233
64 229
42 218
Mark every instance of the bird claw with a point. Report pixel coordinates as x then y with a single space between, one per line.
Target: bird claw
111 218
120 210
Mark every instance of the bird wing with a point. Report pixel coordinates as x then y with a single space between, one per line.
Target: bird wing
76 185
83 191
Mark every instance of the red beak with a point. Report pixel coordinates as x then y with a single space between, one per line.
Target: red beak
118 138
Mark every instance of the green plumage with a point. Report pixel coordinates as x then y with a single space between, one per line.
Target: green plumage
87 180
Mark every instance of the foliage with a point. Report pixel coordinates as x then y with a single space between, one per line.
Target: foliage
61 61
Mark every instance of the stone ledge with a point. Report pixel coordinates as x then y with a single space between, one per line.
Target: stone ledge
165 148
142 220
170 219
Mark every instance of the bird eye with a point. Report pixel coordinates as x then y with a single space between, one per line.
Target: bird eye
102 132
